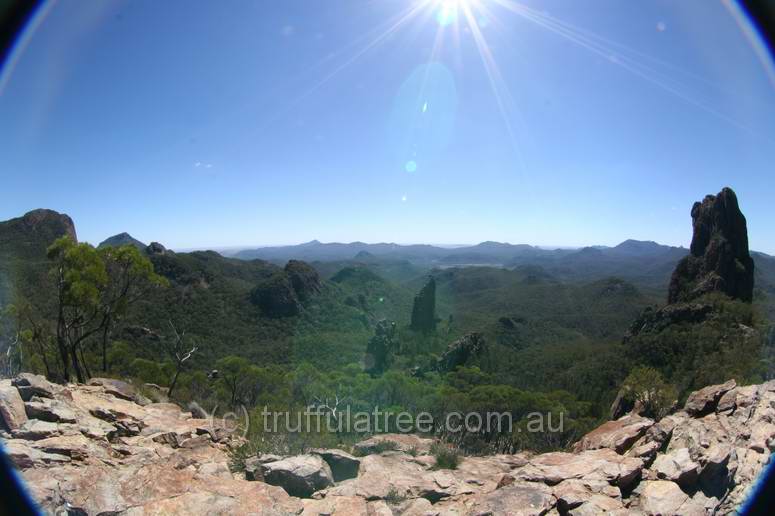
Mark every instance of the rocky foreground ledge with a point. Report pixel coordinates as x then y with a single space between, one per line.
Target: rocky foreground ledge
102 449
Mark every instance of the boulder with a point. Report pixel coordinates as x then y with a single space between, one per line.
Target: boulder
342 464
253 471
572 493
705 400
300 476
677 466
617 435
663 498
30 385
45 409
12 412
120 389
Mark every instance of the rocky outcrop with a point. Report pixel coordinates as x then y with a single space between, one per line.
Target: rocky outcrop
304 279
380 349
424 308
120 389
276 297
46 224
284 293
617 435
719 260
12 413
706 399
113 455
461 351
155 248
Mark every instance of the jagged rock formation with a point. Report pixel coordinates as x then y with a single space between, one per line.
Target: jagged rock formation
122 239
424 308
88 449
461 351
155 248
380 348
23 244
276 296
719 260
304 279
41 224
285 292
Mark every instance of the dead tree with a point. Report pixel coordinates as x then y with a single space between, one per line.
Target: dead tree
179 352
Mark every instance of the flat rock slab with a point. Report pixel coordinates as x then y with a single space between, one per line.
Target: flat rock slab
617 435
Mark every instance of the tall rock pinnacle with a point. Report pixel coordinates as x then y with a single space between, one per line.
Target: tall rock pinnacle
424 309
719 260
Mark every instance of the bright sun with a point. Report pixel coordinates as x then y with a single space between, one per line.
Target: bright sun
447 10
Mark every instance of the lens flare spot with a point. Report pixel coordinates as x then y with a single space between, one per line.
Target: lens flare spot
447 13
411 166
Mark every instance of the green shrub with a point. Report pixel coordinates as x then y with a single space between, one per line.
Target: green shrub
645 387
446 456
393 497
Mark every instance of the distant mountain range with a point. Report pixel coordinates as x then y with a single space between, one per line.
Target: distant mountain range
485 253
646 264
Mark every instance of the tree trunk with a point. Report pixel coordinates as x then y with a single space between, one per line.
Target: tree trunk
105 334
76 366
62 345
174 381
83 361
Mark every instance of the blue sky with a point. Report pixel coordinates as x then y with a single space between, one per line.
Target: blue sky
210 124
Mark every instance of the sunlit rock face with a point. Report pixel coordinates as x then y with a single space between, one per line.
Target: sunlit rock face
719 260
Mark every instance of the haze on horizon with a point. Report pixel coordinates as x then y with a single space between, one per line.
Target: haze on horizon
413 121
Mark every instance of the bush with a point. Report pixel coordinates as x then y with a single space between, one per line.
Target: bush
446 456
393 497
645 387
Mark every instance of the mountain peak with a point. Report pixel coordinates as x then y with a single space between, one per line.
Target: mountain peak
122 239
52 221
